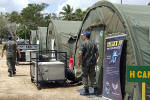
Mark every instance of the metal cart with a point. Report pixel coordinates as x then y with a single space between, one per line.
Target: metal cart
25 51
48 66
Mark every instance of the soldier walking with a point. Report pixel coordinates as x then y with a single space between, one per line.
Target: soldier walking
11 49
88 54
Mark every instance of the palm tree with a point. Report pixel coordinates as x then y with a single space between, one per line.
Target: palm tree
78 15
67 12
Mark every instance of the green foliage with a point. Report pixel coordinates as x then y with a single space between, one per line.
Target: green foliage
67 13
79 15
31 15
23 32
3 27
2 22
149 4
54 16
29 19
14 17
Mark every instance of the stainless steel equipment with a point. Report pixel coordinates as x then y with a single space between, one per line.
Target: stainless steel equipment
44 68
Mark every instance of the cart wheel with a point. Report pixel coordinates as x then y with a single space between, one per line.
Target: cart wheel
64 84
38 86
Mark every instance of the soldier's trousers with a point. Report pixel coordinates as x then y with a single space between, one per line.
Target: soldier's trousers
91 73
11 61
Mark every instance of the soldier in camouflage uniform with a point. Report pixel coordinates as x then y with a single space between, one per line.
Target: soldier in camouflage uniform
88 54
11 49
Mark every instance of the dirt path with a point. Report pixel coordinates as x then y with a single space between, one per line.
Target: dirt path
20 87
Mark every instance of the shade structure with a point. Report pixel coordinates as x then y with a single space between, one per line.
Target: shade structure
33 37
64 34
42 34
105 19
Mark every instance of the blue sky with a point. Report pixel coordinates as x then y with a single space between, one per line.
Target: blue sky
56 5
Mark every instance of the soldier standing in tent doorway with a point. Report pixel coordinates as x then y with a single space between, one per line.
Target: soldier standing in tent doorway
88 54
11 49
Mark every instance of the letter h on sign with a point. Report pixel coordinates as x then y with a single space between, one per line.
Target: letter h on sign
132 74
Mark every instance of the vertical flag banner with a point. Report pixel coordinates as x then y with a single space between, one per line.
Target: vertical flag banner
111 78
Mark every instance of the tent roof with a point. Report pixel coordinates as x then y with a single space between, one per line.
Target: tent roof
133 20
136 12
67 27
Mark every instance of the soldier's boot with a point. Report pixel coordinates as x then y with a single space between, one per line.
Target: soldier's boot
96 91
14 72
10 74
86 92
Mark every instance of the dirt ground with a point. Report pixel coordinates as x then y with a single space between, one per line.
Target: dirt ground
20 87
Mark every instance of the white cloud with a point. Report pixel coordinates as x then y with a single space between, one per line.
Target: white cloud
2 2
45 11
20 4
57 5
11 5
83 4
2 9
137 2
46 1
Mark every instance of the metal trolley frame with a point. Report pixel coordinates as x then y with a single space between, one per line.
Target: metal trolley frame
45 56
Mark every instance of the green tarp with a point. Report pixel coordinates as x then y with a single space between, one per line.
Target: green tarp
42 33
115 19
64 33
33 37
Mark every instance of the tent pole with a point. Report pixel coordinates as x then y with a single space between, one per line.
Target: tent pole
143 91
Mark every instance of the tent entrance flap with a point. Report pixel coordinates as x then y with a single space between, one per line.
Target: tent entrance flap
123 67
97 35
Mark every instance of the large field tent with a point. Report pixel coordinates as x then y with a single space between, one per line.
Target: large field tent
105 19
33 37
42 33
62 35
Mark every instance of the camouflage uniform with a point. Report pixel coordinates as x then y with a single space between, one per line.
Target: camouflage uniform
88 49
11 49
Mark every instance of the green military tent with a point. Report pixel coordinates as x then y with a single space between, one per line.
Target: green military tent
64 34
42 34
33 37
114 19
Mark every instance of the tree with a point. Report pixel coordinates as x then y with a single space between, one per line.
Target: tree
78 15
149 4
12 29
3 26
29 18
54 16
14 17
31 15
67 13
22 32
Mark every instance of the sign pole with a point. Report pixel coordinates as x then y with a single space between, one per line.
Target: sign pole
143 91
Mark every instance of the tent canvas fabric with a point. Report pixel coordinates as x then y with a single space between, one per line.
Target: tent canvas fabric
105 19
42 33
63 31
33 37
